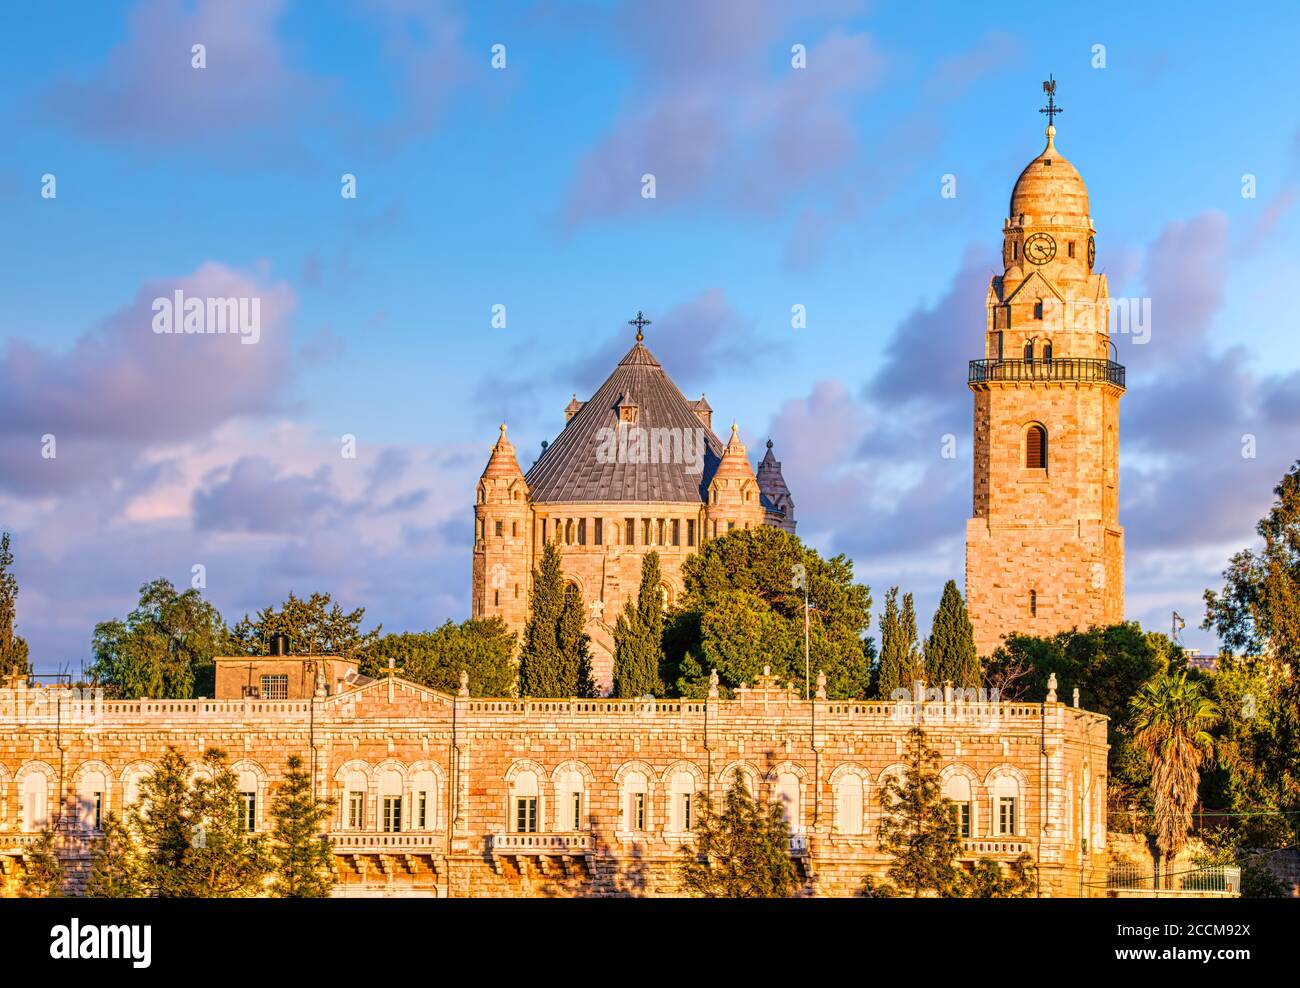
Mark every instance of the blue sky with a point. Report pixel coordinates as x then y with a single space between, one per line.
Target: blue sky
521 187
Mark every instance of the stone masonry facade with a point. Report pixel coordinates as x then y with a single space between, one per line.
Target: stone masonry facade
459 796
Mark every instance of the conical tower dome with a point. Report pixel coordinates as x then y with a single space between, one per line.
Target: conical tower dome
502 462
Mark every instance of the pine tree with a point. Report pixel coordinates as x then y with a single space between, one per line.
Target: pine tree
742 852
163 828
43 878
918 828
638 637
304 866
539 659
13 649
227 861
950 650
575 647
115 867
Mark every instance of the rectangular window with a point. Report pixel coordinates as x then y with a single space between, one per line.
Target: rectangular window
730 525
356 810
514 529
963 819
582 531
631 531
545 526
422 811
526 814
500 528
690 531
1007 815
677 531
599 534
663 525
99 810
247 810
392 814
646 532
686 811
577 811
638 811
275 687
1070 248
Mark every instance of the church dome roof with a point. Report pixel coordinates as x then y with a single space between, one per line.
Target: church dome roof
572 471
1050 187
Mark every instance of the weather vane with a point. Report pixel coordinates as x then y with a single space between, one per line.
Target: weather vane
640 322
1051 109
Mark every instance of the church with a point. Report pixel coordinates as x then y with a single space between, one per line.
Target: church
637 468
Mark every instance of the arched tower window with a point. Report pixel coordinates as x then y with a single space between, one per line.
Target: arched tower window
1038 309
1036 447
1029 350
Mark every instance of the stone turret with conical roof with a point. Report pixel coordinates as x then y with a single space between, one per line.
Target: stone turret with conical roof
734 498
777 501
501 537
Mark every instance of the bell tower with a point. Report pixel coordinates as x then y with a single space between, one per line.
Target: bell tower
1044 548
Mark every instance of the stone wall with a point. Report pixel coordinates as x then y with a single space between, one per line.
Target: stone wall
467 761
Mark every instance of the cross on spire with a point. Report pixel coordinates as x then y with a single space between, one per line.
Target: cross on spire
1051 109
640 322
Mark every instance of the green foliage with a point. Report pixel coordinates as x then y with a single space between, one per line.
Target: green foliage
43 878
638 637
315 626
1172 718
988 880
13 649
950 650
1258 882
918 828
1258 613
539 659
483 647
190 837
740 611
575 647
115 869
165 647
303 863
900 660
741 853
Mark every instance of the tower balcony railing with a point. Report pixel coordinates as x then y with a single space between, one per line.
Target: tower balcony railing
1055 369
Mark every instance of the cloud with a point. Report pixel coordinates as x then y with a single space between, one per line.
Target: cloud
122 386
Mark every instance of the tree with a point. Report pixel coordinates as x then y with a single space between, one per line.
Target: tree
1171 725
987 880
950 650
638 637
315 626
303 862
574 644
539 659
115 871
755 570
164 649
227 861
43 878
742 852
1258 613
482 647
900 665
164 829
13 649
918 828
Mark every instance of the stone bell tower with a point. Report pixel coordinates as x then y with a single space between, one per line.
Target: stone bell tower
1044 548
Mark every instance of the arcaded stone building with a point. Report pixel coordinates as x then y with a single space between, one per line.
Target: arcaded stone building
1044 548
637 468
460 796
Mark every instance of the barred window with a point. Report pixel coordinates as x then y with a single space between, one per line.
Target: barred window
275 687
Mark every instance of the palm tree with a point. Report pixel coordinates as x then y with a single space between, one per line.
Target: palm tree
1171 724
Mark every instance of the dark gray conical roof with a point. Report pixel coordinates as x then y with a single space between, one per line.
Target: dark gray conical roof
571 470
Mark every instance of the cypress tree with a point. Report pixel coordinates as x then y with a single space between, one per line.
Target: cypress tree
575 675
638 637
13 649
915 661
539 659
890 672
950 651
303 865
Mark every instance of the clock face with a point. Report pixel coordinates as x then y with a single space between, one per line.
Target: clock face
1040 248
1092 252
